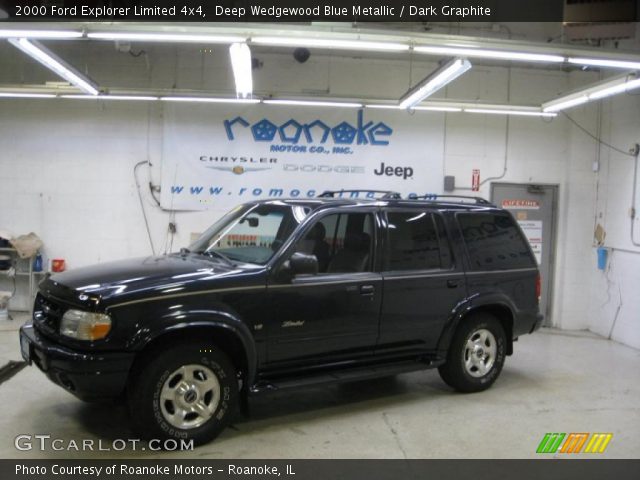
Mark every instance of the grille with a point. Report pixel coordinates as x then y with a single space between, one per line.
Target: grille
47 314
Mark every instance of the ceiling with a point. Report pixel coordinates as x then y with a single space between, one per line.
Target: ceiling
203 68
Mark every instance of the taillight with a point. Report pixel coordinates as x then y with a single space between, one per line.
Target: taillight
539 287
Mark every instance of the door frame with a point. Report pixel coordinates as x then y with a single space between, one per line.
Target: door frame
555 187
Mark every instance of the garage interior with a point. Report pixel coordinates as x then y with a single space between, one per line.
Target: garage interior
543 105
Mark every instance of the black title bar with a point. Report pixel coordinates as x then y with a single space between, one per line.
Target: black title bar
420 11
548 469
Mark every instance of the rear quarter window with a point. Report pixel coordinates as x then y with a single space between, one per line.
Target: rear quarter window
494 242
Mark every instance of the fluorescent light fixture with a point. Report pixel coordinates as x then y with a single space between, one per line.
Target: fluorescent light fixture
313 103
111 97
26 95
510 112
497 54
165 37
453 106
241 65
330 43
425 107
603 62
383 106
210 100
43 34
141 98
615 89
434 82
563 103
52 62
437 109
600 90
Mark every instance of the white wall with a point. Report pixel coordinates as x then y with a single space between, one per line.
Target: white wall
66 170
66 174
575 219
614 301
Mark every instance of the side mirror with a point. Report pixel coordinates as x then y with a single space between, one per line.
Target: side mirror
301 264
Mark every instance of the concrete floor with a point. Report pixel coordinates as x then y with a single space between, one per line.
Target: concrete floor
555 382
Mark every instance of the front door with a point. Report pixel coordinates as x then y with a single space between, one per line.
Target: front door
333 314
534 208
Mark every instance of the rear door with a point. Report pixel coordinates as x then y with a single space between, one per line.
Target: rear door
423 282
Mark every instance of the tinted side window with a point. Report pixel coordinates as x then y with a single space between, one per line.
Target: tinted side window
413 241
494 242
342 243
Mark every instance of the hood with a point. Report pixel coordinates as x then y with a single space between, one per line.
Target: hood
126 278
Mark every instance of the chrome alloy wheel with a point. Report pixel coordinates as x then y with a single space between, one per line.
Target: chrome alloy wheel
190 396
479 353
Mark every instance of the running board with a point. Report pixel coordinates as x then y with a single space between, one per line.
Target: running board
345 375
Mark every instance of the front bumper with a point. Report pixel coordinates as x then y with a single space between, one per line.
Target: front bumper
89 376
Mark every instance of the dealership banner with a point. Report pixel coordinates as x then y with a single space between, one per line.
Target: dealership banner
216 156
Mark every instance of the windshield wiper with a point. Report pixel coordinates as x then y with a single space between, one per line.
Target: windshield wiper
219 255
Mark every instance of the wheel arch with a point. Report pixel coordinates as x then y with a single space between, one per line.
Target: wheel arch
235 343
500 310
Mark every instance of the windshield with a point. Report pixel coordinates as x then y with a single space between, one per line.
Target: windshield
250 233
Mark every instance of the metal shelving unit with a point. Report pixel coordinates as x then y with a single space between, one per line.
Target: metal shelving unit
24 268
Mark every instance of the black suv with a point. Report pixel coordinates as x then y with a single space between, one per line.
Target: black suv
288 293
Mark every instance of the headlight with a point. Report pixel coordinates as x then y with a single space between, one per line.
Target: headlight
85 325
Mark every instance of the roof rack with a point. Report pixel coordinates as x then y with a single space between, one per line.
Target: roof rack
385 194
436 197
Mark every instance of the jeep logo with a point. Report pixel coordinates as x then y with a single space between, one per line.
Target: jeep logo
292 131
389 171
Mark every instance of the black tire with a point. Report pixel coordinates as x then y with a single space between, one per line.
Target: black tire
161 370
467 370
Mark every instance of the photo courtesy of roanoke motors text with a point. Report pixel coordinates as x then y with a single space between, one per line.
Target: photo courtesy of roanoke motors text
319 239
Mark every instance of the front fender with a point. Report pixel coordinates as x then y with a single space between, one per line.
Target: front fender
184 320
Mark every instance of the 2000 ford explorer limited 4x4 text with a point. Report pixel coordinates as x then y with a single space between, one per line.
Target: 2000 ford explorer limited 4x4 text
286 293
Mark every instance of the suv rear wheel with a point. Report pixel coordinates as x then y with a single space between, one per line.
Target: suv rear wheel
185 392
476 354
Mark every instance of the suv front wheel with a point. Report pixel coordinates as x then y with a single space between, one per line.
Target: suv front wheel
476 354
187 392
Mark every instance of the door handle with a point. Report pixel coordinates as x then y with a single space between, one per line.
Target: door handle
453 283
367 290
